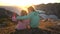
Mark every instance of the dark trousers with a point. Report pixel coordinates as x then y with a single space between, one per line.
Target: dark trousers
25 31
38 31
35 31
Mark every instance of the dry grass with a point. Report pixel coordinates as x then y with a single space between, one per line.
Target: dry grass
47 25
44 25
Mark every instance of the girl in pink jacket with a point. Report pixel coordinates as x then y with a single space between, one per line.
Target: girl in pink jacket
22 24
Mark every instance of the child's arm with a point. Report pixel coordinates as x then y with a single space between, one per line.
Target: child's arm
24 17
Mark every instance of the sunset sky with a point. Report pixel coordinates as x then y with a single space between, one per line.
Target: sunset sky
25 2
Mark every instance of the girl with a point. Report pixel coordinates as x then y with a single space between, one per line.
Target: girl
22 24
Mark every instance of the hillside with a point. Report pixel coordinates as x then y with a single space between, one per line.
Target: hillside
50 8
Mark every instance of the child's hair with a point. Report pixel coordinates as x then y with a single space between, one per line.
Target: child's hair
23 12
31 8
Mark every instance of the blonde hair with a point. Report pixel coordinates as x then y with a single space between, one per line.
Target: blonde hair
23 12
31 8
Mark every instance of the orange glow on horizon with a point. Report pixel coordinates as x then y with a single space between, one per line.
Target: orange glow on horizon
24 4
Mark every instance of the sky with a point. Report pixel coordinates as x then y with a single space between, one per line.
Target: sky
25 2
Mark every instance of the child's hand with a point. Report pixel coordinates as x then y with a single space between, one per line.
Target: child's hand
28 26
14 19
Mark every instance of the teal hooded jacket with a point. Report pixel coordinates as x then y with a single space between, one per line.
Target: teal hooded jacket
34 19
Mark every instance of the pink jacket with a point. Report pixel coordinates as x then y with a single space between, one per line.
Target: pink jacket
22 25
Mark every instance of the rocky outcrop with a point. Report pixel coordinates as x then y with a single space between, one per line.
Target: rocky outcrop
50 8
